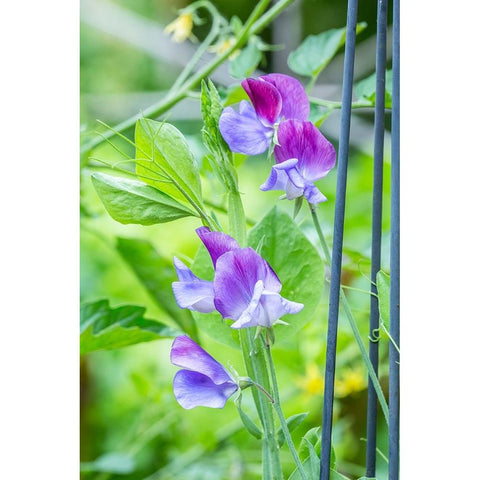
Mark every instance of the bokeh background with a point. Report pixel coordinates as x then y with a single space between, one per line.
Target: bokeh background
129 417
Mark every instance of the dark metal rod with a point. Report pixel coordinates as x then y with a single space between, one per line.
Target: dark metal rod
338 241
379 131
394 356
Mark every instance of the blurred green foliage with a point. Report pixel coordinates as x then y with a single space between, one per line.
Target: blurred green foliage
127 406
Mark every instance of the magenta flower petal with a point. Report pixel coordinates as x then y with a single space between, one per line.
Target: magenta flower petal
185 353
193 389
217 243
302 140
243 131
295 103
266 99
190 291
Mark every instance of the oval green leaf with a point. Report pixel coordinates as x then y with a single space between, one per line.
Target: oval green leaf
164 160
130 201
316 51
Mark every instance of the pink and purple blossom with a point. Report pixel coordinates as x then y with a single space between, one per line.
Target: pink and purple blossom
302 157
244 289
202 382
275 97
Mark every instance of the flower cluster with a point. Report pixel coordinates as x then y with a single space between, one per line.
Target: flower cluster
245 287
302 154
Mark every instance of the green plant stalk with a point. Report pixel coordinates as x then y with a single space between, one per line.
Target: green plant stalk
254 358
333 104
252 26
281 417
351 320
209 39
256 367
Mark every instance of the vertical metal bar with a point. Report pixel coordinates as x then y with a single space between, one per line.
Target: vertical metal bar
338 241
379 130
394 356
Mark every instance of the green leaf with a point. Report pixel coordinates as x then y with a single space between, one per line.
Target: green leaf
292 422
365 89
246 420
312 437
156 274
383 289
311 465
276 234
301 271
246 61
106 328
114 462
164 160
129 201
316 51
233 94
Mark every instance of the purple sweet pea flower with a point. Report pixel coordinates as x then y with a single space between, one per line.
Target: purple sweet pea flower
245 287
303 156
275 97
203 382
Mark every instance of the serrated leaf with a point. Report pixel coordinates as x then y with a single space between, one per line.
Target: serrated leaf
365 89
383 290
130 201
316 51
156 274
292 422
106 328
246 61
113 462
164 160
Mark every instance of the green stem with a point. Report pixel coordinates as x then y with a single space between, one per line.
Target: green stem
281 417
251 27
333 104
351 320
256 366
209 39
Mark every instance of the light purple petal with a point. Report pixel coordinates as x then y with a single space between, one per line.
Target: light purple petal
266 99
236 275
190 291
193 389
302 140
217 243
185 353
313 194
278 178
292 191
265 309
249 317
196 296
243 131
295 103
184 274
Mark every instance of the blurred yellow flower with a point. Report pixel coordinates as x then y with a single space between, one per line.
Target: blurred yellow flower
350 381
312 383
221 47
181 27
